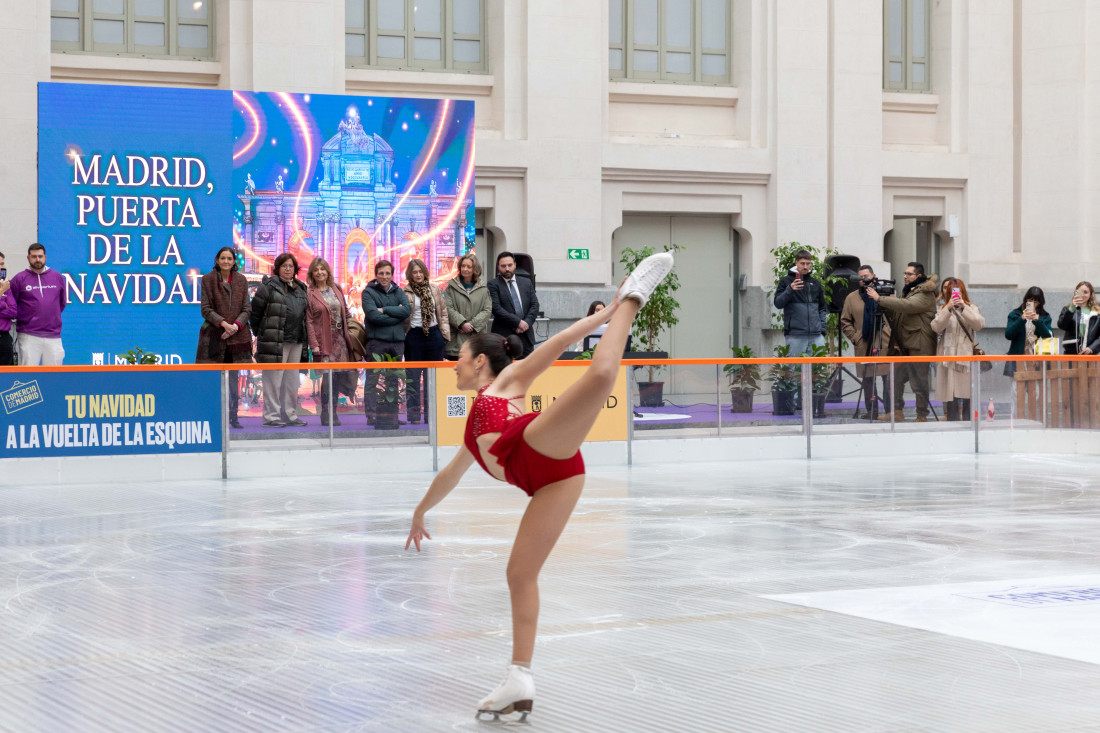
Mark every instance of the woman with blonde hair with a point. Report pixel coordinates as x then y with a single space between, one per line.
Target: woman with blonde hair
427 330
469 306
327 326
1081 321
956 321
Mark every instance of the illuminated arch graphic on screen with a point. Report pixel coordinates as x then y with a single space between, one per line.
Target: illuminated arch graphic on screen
356 256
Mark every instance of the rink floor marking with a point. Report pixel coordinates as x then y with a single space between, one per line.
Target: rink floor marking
1052 615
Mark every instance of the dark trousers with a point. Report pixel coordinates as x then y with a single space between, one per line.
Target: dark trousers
5 348
234 386
420 347
382 348
869 392
916 374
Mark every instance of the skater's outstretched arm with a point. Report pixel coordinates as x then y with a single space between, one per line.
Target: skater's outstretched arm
442 485
520 374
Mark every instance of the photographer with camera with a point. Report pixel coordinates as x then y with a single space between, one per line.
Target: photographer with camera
864 324
802 300
911 335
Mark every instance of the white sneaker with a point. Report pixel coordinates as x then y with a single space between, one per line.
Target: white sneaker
515 694
646 277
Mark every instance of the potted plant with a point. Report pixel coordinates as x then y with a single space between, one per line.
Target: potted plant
139 356
784 379
387 394
820 374
657 316
744 380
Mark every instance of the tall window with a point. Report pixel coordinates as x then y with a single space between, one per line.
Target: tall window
671 40
179 28
415 34
906 45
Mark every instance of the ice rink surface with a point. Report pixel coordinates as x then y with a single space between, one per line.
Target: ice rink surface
909 594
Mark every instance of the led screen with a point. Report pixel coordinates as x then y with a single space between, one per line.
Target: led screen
138 188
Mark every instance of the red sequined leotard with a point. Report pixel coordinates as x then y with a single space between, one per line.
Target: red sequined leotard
524 466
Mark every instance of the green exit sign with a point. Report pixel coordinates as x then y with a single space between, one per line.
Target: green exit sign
578 254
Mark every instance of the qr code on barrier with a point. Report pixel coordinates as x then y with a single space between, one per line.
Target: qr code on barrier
456 405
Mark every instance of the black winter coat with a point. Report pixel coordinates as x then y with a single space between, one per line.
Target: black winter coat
270 306
804 311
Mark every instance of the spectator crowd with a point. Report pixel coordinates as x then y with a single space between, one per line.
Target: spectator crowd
290 321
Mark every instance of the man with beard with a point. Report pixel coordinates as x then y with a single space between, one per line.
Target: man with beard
39 294
911 335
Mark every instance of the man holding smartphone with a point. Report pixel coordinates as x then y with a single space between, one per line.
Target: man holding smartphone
7 315
802 299
40 296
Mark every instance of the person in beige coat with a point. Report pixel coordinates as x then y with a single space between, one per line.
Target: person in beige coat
957 321
469 306
859 329
427 331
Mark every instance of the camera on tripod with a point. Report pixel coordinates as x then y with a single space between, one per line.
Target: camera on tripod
881 285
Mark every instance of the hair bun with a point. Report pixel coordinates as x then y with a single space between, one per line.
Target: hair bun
507 347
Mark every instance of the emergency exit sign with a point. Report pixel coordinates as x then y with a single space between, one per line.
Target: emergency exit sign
578 254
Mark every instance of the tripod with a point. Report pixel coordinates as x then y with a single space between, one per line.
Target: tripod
880 318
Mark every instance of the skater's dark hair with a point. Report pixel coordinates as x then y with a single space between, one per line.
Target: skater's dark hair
593 304
499 350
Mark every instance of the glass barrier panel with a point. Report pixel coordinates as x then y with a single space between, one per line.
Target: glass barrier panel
760 399
674 400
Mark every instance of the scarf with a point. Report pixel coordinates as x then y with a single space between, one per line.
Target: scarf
870 308
919 281
423 291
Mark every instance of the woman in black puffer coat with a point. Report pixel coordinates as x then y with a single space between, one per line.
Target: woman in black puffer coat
279 322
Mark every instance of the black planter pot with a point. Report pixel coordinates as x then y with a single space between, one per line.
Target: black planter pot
836 390
741 400
783 402
385 417
819 399
651 394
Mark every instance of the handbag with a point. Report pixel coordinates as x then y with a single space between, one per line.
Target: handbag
985 366
1047 346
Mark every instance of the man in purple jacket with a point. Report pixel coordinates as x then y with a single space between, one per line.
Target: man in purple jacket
39 299
7 315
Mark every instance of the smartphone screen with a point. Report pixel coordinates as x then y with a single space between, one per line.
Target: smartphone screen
3 273
955 294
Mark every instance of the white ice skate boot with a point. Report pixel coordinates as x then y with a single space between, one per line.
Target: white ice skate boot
516 694
649 273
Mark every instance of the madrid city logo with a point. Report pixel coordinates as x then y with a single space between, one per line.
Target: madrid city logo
21 395
101 358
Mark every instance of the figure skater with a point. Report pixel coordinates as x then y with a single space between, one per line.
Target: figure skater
537 452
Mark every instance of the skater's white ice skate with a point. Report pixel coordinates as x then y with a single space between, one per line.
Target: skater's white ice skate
516 694
645 278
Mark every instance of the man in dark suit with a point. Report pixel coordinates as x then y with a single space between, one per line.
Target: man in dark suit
515 304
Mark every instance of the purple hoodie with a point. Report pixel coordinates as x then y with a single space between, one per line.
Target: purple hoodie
7 310
39 300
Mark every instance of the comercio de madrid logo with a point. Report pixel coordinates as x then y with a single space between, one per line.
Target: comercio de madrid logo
21 395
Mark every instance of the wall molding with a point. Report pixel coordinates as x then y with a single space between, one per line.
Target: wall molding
93 69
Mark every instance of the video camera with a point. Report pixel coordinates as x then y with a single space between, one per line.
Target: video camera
881 285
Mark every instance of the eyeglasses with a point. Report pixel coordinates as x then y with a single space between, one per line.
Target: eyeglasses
910 274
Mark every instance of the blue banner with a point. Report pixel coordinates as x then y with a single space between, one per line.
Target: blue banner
139 187
108 414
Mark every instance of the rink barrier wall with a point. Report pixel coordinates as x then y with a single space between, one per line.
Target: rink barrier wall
269 459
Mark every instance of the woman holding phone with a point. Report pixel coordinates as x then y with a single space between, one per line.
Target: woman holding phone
1081 321
1026 325
956 321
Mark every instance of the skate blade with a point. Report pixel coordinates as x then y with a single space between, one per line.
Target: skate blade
515 714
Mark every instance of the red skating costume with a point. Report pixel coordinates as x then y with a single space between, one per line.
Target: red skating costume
524 467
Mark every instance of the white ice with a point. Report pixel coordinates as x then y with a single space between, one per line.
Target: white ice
290 605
